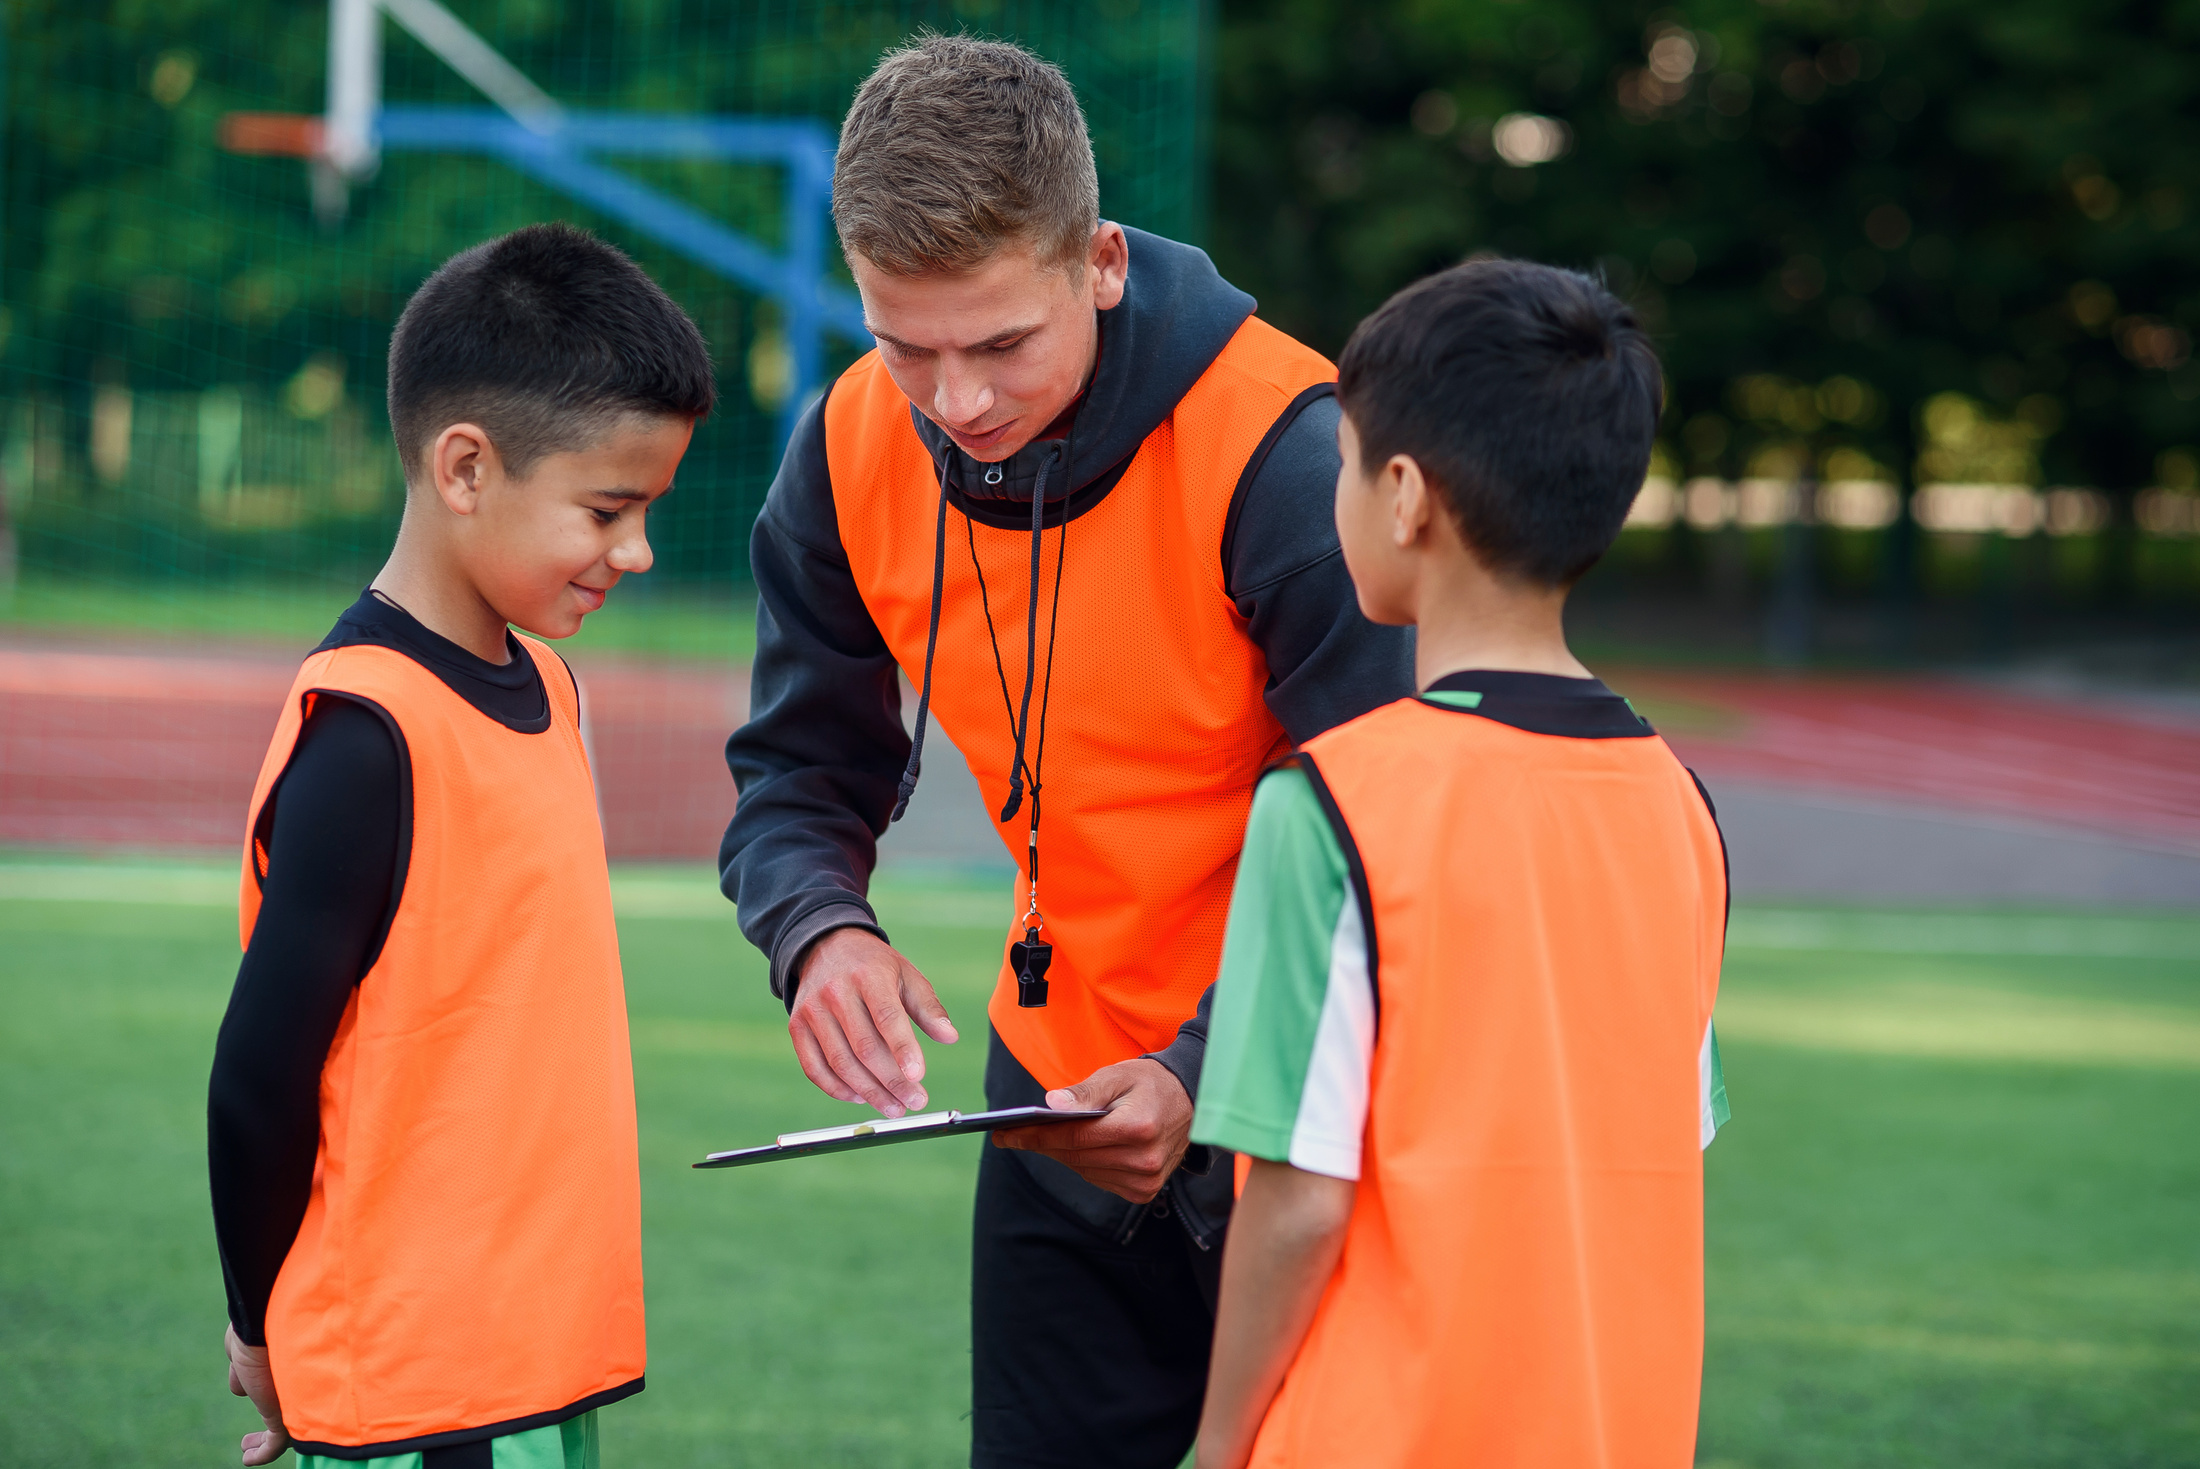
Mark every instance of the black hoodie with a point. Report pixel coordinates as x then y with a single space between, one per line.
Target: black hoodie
818 762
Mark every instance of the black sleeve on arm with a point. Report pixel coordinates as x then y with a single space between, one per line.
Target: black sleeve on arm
1184 1056
1282 568
820 758
335 849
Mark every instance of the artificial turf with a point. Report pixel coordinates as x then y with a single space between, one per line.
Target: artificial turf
670 619
1952 1222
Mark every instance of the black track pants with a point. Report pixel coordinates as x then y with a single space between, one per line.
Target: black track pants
1090 1316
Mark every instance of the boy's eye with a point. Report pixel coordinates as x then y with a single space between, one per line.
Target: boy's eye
605 517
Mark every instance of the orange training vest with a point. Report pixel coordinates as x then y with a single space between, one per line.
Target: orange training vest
471 1254
1156 729
1521 1285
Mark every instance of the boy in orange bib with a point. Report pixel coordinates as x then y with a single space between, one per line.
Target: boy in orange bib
1463 1026
421 1118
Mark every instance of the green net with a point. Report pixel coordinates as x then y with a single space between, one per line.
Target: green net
194 322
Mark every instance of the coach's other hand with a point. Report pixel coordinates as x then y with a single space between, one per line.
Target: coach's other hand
850 1022
250 1377
1130 1152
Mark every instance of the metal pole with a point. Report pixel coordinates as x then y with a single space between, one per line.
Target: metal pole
809 182
354 86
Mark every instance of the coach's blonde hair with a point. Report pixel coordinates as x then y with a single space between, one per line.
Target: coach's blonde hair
957 146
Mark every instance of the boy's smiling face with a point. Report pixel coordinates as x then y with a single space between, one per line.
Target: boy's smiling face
543 552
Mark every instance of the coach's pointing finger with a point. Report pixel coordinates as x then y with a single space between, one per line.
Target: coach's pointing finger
851 1021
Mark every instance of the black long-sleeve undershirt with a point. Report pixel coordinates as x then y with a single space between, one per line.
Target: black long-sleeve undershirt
337 850
332 863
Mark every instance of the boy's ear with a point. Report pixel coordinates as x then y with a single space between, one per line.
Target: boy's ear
1412 500
460 462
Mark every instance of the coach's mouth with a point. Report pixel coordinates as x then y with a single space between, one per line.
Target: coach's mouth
976 445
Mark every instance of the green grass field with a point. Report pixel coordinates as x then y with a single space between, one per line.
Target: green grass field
670 620
1955 1221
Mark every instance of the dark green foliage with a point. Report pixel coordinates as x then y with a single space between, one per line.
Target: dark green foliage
139 255
1835 211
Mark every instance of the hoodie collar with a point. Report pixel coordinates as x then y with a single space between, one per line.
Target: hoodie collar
1176 316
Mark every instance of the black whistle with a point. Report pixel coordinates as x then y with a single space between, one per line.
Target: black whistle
1029 957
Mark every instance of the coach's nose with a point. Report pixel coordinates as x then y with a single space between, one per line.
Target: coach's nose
963 396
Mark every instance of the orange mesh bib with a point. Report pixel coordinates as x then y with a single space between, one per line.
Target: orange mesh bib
471 1254
1155 730
1521 1285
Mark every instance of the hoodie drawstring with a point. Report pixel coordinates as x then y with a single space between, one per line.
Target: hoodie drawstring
1031 643
1031 956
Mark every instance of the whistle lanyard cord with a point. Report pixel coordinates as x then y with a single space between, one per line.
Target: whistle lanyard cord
1022 720
1027 773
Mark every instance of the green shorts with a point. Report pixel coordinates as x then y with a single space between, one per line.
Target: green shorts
567 1445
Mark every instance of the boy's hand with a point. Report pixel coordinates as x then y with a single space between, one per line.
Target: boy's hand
850 1022
249 1377
1130 1152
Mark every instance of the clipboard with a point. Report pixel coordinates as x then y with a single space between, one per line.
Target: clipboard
883 1130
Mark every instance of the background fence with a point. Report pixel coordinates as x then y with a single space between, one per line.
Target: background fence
192 327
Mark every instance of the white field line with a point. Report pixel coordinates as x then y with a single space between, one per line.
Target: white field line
2087 936
2078 936
1963 1023
636 896
169 886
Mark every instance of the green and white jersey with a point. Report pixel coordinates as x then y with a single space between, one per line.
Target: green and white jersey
1290 1050
1292 1041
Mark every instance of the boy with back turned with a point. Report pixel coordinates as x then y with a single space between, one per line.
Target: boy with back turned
421 1118
1463 1028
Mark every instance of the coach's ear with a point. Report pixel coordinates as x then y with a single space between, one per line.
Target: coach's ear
462 462
1109 265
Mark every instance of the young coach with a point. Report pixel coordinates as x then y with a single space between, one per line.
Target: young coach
1079 496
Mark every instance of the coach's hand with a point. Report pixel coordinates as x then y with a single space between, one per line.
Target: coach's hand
1130 1152
850 1022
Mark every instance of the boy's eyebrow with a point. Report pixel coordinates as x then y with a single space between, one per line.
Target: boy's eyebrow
620 494
997 339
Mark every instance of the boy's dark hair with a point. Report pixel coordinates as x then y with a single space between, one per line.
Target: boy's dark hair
1528 395
545 337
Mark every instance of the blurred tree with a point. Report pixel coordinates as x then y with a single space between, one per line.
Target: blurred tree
139 257
1829 211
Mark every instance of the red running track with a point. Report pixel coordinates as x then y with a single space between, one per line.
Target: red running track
141 748
1941 743
149 750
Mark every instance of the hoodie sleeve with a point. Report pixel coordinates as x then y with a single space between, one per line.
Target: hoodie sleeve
817 762
1285 572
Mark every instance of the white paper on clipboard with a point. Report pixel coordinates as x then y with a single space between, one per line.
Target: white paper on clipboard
882 1130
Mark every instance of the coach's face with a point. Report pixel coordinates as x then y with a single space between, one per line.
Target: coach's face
993 355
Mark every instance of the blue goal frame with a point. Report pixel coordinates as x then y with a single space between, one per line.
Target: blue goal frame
561 157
